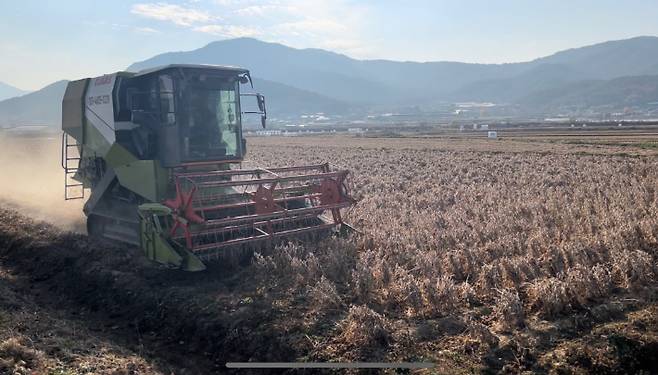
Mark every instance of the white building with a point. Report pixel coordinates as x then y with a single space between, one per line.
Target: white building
268 133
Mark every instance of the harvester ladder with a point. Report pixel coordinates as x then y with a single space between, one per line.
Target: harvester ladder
72 188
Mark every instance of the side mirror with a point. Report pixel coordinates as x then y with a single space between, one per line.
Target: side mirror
262 111
261 107
261 102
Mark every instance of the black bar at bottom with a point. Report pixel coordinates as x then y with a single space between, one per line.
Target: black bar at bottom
338 365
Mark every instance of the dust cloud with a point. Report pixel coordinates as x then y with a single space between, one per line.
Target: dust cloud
32 181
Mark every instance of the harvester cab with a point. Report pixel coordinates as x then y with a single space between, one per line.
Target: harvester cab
160 151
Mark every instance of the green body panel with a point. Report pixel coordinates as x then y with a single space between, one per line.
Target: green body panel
73 109
90 145
154 242
157 248
117 155
191 262
144 177
94 144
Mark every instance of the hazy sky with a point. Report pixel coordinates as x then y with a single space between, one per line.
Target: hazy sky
44 41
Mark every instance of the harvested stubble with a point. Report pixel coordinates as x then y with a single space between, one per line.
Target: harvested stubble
559 229
528 234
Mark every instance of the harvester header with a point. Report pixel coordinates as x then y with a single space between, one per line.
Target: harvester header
160 152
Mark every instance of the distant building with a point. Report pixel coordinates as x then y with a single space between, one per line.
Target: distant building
268 133
557 119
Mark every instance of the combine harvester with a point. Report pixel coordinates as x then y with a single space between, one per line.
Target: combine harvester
161 152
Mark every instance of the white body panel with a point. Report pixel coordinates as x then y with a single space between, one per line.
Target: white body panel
99 107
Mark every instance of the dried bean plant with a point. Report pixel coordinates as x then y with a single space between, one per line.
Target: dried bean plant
528 233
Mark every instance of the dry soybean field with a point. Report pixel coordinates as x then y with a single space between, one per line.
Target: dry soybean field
475 255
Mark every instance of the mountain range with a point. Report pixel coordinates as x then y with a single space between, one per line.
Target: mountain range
8 91
41 107
301 81
405 83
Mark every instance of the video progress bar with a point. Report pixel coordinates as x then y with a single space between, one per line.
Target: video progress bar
341 365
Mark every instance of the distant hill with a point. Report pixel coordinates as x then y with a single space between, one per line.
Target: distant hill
604 61
41 107
283 100
628 57
314 70
336 75
510 90
404 83
9 91
616 93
